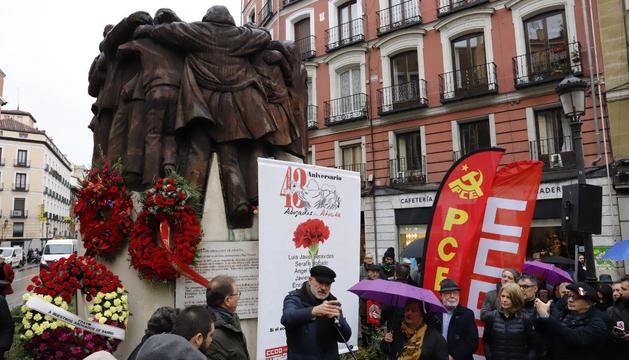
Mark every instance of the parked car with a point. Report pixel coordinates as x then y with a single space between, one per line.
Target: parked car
56 249
13 255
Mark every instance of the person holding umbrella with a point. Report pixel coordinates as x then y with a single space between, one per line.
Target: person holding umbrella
413 339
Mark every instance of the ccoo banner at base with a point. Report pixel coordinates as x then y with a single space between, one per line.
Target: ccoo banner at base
309 215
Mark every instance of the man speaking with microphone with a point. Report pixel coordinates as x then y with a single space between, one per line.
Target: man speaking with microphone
313 319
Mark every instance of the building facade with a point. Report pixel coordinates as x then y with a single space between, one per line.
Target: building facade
399 89
613 19
34 182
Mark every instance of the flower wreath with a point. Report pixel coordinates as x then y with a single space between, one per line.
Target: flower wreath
170 203
104 210
45 337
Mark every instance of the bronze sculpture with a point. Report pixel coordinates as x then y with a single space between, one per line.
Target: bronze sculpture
174 92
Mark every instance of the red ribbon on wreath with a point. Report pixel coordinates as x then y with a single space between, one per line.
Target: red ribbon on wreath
183 269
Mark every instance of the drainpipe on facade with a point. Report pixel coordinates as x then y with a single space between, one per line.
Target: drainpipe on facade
602 109
371 136
592 89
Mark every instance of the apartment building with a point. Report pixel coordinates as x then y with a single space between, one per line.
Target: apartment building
399 89
34 182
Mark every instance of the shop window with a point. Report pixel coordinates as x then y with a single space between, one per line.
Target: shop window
410 233
549 243
474 135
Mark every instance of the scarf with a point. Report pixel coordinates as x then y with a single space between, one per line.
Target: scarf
413 348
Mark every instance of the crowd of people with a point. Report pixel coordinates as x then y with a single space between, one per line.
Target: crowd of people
521 319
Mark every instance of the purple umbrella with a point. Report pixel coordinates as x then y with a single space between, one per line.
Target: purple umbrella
395 293
549 272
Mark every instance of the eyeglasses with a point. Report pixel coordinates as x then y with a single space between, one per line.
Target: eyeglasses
523 286
236 294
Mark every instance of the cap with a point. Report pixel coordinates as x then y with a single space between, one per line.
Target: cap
584 291
373 267
448 285
323 274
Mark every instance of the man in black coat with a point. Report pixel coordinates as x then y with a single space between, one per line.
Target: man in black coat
457 325
6 327
309 314
581 332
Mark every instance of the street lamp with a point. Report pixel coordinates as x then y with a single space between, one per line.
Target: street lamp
571 91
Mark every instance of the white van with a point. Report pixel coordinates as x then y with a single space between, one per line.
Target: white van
56 249
13 255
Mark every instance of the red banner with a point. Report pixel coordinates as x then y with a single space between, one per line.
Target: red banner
453 233
504 231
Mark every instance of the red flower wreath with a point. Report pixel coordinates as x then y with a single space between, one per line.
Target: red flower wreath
47 338
104 210
172 200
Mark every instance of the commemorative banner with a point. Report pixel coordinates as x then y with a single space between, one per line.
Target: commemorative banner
308 215
453 233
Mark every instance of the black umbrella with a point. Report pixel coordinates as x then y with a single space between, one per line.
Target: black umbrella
557 260
414 250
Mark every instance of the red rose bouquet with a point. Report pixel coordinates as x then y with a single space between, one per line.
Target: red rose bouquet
309 235
104 211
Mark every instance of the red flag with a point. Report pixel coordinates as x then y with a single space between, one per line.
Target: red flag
458 211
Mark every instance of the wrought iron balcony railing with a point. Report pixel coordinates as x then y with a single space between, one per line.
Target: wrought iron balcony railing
22 163
286 3
19 213
345 34
266 13
345 109
20 187
547 65
445 7
406 96
398 16
358 167
556 153
408 170
306 47
467 83
313 119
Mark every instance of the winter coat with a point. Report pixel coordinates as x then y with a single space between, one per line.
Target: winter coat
134 353
509 338
433 347
311 338
169 347
229 341
6 326
462 336
575 336
490 303
617 313
7 275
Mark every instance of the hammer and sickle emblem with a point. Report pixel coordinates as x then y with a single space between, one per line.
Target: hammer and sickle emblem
468 185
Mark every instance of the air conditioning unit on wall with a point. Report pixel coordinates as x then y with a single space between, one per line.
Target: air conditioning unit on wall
555 161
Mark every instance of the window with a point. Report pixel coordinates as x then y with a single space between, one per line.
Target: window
409 151
554 141
410 233
351 157
468 59
19 205
547 43
474 135
20 181
348 29
405 77
22 156
350 82
18 229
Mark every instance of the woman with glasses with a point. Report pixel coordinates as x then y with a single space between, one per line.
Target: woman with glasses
509 333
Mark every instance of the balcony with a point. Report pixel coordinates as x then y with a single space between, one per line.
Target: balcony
19 214
21 163
345 109
398 17
358 167
468 83
266 13
406 96
557 154
313 122
345 34
446 7
548 65
286 3
20 187
406 171
306 47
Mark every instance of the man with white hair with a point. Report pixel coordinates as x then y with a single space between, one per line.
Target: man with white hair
367 262
457 324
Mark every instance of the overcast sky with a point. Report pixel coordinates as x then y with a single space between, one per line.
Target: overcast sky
47 47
